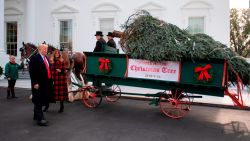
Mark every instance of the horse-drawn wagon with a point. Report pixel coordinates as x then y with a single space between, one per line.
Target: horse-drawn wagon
178 80
159 55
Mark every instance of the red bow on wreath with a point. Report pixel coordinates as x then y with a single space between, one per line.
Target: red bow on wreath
204 75
104 64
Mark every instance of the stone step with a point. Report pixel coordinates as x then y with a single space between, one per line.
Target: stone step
24 74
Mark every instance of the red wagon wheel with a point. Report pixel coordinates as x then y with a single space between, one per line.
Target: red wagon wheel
114 94
92 97
175 103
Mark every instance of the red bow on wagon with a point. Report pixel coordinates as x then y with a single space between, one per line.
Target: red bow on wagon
204 75
104 64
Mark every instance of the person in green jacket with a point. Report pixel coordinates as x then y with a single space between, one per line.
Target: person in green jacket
11 73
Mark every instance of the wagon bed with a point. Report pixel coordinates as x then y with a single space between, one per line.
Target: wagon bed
177 79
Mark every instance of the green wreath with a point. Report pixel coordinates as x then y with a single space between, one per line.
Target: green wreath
105 65
204 76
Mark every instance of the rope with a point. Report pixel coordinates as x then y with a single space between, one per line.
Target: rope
240 87
33 52
85 63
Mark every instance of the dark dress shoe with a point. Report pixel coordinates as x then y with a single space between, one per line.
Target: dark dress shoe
60 111
14 97
42 123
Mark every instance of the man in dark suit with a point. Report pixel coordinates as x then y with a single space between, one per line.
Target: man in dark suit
100 42
41 83
111 42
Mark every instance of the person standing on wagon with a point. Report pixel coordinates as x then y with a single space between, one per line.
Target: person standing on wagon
111 42
100 42
11 73
59 76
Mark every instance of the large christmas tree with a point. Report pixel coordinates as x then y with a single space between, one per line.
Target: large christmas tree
146 37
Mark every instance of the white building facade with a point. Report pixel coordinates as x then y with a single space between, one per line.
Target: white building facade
73 23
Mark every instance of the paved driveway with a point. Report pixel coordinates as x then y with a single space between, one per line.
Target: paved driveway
126 120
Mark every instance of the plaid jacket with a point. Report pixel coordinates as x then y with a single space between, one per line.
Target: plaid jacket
60 80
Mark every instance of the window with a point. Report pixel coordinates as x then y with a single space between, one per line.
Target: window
11 38
106 25
196 25
66 34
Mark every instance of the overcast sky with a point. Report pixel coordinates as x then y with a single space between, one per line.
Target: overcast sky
239 3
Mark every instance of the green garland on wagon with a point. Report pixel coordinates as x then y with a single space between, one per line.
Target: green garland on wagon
146 37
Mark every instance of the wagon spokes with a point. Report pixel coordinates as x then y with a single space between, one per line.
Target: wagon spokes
174 103
114 93
91 97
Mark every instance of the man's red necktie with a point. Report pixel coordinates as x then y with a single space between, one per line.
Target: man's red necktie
47 67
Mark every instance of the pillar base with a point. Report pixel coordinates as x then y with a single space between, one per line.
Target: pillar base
4 58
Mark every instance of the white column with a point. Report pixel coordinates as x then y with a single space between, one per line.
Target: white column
30 21
1 25
3 56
